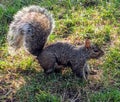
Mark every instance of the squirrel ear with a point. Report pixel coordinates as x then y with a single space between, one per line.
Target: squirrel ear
87 43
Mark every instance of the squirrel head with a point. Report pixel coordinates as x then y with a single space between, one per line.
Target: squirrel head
95 51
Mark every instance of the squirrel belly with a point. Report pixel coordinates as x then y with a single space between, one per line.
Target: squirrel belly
30 28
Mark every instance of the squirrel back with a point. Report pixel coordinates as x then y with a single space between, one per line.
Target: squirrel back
30 28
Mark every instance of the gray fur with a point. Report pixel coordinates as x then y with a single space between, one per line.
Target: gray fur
64 54
30 28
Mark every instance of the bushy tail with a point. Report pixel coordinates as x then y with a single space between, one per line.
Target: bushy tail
30 28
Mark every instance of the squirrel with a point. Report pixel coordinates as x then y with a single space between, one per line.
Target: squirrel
31 28
58 55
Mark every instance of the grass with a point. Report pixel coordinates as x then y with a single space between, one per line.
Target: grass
23 80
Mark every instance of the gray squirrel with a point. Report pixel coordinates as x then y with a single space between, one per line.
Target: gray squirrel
31 27
56 56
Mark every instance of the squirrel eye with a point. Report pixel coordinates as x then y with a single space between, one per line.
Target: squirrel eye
29 30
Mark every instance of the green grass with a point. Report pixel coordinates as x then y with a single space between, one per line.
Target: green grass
110 95
23 80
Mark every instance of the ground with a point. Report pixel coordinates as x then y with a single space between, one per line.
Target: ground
23 80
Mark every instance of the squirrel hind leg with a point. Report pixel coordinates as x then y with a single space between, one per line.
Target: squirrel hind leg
58 68
54 68
48 71
47 62
49 68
